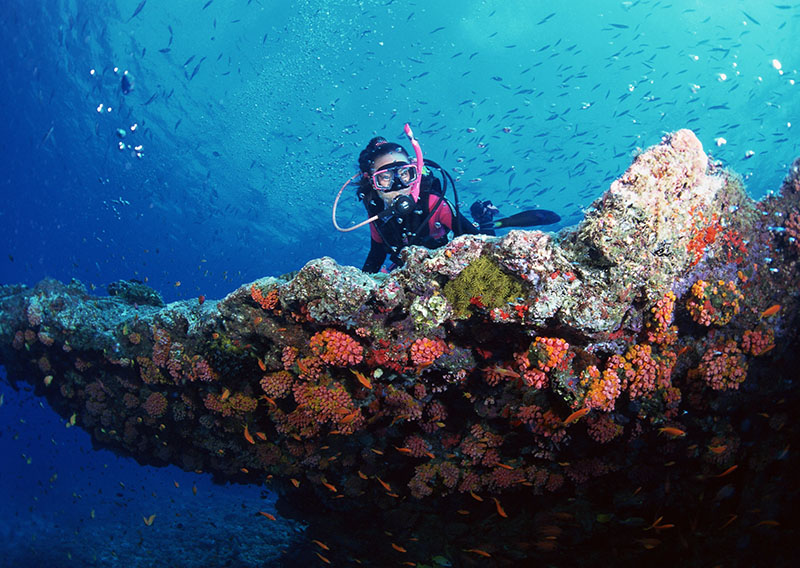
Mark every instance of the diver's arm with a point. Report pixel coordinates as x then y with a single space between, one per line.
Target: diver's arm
467 228
375 258
465 225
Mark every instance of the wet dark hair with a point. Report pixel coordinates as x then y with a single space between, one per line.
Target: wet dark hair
376 148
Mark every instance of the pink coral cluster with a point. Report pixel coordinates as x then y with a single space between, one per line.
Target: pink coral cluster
532 377
46 339
714 304
481 446
602 428
336 348
757 341
200 370
130 401
155 405
640 370
425 351
19 340
548 353
542 423
161 346
309 368
417 446
34 312
723 366
672 401
659 329
404 406
289 356
426 477
792 226
148 371
503 478
328 404
238 403
602 388
277 384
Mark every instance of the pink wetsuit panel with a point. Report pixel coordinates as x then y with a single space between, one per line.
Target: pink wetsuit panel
443 216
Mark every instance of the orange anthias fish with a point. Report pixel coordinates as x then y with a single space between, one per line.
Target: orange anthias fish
398 548
362 378
575 416
672 431
479 552
348 418
771 311
247 435
504 372
718 449
727 471
268 515
225 394
500 510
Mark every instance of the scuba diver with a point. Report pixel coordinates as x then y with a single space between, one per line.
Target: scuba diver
406 203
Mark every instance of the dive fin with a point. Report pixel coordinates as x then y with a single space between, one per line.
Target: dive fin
530 218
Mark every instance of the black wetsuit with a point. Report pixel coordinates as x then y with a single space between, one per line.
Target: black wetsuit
413 228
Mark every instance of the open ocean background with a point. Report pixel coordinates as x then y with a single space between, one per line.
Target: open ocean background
245 119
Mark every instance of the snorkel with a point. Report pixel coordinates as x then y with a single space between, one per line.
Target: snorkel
414 193
420 162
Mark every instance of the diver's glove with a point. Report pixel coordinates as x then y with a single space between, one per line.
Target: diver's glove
483 212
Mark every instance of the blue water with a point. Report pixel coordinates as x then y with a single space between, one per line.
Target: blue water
245 119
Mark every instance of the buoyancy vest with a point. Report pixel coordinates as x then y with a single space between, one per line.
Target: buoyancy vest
427 224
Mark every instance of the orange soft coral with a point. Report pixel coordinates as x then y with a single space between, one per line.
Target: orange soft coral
267 301
723 366
548 353
425 351
336 348
659 329
714 303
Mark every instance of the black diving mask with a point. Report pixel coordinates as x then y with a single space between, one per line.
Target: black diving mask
394 177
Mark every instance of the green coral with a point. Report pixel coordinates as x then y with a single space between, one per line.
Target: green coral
483 280
429 312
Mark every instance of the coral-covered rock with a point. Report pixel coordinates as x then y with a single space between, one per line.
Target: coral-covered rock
493 367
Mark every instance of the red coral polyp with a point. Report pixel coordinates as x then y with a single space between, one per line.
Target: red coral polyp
336 348
548 353
425 351
155 405
267 301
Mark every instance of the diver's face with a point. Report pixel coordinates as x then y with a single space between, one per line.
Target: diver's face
385 160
